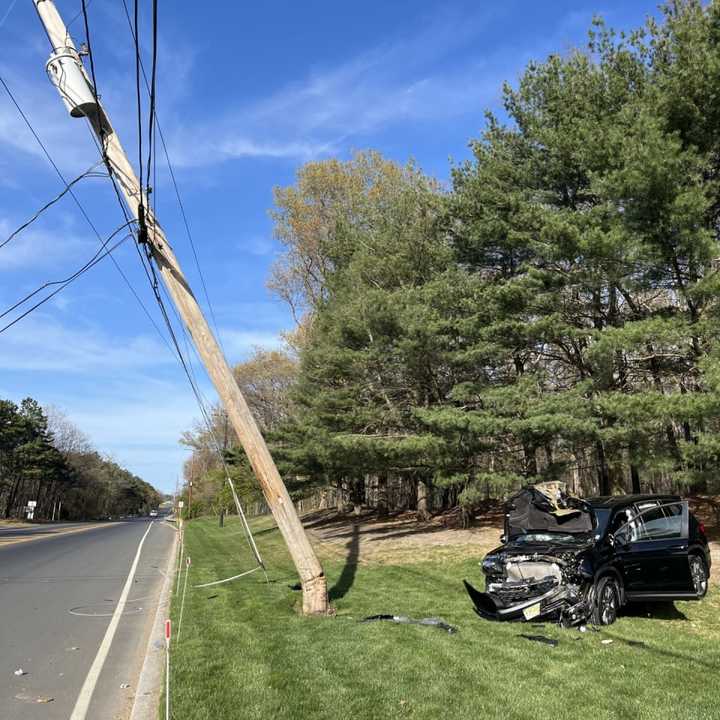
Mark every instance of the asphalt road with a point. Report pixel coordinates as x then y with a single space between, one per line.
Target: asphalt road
59 588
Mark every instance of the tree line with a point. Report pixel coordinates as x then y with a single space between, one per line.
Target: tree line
45 458
551 314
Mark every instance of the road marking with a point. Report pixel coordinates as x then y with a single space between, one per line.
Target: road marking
9 540
83 702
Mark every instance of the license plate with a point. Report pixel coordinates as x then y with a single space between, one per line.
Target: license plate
532 611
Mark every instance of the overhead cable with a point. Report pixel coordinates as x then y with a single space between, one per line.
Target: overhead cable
88 173
175 185
99 255
74 197
153 76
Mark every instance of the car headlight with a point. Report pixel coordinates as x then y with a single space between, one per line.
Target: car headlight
491 565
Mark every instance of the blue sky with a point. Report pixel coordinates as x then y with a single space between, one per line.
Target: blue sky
247 93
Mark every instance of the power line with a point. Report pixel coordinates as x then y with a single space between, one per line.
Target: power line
205 414
92 67
78 14
175 184
139 104
7 12
88 173
27 297
155 285
75 198
148 266
99 255
153 75
101 151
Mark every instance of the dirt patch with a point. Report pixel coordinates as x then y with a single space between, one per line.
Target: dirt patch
401 539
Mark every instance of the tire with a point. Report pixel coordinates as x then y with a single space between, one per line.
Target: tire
606 601
699 575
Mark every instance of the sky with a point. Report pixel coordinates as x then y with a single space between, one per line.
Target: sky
247 93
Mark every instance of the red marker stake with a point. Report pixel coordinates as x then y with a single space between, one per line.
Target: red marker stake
168 633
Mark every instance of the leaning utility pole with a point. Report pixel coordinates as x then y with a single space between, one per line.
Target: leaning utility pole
67 73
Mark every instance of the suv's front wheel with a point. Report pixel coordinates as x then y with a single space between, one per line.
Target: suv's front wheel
606 602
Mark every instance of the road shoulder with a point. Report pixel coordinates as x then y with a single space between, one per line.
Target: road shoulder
149 686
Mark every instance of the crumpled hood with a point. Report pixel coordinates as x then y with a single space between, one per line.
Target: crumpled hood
547 507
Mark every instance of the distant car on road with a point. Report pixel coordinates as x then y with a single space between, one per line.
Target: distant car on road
577 560
153 513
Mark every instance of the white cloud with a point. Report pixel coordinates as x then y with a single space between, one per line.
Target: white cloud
40 247
40 343
393 82
239 344
258 245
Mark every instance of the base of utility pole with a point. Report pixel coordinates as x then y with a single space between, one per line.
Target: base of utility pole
315 596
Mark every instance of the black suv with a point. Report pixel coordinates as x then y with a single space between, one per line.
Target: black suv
581 560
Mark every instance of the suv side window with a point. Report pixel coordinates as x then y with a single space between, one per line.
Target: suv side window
661 523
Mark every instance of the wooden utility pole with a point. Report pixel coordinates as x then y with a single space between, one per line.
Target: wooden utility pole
81 100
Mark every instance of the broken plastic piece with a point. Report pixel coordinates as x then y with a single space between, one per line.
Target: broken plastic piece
606 641
404 620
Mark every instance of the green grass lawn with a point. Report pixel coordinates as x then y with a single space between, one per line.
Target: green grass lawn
245 653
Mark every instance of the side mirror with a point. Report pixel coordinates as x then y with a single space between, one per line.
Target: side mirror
503 538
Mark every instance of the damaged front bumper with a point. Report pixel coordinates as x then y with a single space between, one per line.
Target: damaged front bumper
530 601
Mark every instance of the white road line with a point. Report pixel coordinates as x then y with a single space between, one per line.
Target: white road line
83 702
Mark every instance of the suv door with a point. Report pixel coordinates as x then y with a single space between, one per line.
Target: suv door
622 531
657 549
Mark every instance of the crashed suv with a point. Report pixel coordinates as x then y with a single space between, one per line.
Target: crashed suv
578 561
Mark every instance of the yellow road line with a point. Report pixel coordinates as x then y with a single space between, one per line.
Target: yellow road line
4 542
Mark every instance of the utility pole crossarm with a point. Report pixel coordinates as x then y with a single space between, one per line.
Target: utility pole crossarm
64 76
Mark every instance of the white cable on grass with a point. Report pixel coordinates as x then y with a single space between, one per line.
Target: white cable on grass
182 602
234 577
246 526
179 567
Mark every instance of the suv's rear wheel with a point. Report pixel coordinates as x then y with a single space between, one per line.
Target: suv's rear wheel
607 601
699 575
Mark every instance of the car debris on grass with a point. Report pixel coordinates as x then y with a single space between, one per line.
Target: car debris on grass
404 620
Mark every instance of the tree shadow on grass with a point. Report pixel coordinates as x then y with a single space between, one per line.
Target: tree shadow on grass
659 610
662 652
347 576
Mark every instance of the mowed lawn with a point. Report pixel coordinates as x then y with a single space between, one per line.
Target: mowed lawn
245 653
